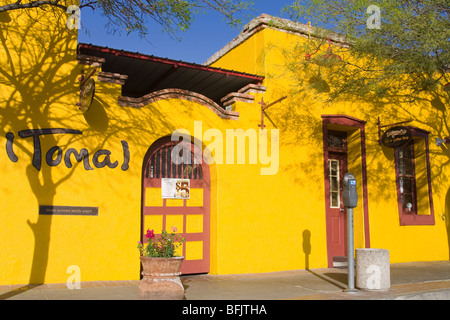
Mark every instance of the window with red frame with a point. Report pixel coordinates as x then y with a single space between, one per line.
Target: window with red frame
413 177
407 178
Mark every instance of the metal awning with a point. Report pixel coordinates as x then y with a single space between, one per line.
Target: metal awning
147 74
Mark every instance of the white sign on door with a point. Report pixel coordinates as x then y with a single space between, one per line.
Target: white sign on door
175 188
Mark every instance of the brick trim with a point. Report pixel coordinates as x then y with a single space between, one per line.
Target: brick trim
178 94
109 77
234 97
245 94
90 60
253 88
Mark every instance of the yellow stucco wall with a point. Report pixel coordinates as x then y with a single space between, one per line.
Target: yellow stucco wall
259 223
299 121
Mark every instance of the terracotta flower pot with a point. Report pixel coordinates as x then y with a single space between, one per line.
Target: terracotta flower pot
161 279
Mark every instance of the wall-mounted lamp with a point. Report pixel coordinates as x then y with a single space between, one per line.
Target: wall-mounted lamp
265 106
87 90
440 142
447 87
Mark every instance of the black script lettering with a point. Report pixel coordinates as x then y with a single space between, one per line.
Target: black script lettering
54 155
82 156
35 133
9 147
106 161
126 155
49 157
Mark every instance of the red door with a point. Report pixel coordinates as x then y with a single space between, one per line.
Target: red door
189 216
336 215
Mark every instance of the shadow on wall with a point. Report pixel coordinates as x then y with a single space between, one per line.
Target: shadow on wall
306 246
340 88
39 89
446 216
333 278
96 116
34 89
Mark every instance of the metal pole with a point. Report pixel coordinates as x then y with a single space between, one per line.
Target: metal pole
350 256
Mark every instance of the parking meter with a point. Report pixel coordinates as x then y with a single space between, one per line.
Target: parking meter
350 199
349 194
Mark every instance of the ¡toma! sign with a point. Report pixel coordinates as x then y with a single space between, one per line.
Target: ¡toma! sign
54 156
396 137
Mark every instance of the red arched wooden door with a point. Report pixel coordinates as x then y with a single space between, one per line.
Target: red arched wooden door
190 216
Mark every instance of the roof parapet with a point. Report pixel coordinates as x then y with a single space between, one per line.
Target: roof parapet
266 21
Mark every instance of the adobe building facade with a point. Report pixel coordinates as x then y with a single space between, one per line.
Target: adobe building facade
81 183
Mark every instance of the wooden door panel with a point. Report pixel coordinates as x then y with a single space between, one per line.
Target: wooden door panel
336 217
189 216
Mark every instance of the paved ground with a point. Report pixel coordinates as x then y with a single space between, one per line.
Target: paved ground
409 281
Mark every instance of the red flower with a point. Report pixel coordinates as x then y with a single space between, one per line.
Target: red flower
150 234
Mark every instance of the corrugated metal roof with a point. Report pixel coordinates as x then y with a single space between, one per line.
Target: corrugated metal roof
148 74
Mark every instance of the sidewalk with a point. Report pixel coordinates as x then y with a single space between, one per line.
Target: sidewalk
420 280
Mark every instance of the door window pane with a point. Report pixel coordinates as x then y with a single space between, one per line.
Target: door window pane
407 180
334 183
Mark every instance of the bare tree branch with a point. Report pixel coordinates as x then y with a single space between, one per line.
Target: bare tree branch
32 4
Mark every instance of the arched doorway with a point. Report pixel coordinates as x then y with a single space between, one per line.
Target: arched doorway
191 216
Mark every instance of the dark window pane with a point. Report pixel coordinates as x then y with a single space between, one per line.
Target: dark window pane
336 141
334 199
163 164
158 164
407 185
407 180
406 160
401 167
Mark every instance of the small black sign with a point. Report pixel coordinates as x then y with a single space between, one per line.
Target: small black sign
68 210
396 137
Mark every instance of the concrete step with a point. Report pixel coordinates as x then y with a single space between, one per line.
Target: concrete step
340 262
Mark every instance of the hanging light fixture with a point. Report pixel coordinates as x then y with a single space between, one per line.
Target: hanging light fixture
327 59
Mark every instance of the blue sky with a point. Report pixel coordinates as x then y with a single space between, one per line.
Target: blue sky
207 35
